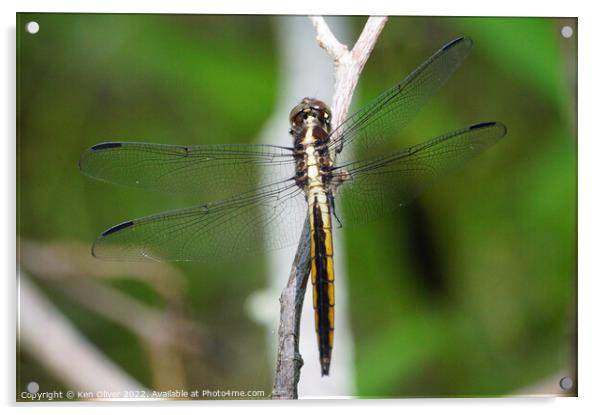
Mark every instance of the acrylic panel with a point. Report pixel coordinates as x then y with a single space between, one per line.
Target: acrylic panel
445 202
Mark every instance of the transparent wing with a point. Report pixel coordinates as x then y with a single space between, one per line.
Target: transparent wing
213 171
221 230
382 184
383 119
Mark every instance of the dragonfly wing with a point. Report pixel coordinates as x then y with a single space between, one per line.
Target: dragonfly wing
380 185
221 230
213 171
383 119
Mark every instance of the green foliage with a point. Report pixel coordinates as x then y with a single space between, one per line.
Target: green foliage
495 316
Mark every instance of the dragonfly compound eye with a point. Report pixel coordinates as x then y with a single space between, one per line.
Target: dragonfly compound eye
296 115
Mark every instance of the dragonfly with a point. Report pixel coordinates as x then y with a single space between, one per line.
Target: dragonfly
260 186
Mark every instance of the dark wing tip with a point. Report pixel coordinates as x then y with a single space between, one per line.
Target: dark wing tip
489 124
96 147
462 39
104 146
110 231
117 228
482 125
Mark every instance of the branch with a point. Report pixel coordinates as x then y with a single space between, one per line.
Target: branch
326 38
169 337
348 66
56 344
288 365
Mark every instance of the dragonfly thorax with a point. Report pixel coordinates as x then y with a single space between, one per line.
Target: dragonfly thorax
310 127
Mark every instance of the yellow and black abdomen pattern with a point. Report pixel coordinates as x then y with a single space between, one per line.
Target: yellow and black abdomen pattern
313 163
322 277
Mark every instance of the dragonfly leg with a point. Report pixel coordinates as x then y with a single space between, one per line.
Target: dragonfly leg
334 211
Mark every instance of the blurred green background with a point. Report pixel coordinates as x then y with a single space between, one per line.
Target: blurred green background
470 291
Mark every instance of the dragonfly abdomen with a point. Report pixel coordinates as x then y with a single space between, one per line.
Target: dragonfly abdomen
322 265
322 277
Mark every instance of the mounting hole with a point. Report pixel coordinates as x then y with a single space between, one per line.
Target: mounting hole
566 32
566 383
32 27
33 387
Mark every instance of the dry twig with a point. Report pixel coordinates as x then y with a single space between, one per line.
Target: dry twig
348 65
57 345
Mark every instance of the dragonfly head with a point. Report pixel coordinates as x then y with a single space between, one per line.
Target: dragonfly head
310 107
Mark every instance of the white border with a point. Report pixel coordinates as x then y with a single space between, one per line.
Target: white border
590 206
374 7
